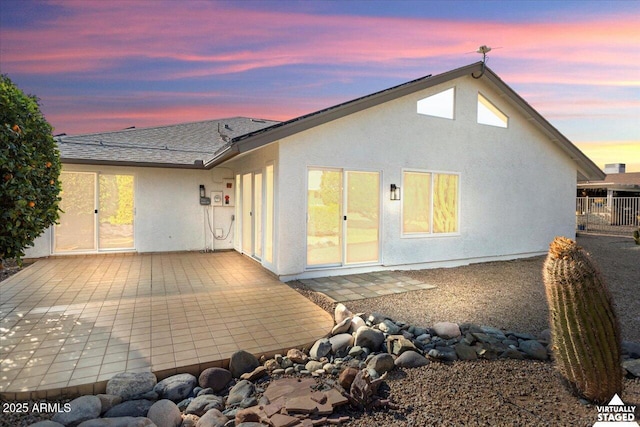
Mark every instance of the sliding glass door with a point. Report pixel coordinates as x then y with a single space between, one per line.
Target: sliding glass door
343 217
98 213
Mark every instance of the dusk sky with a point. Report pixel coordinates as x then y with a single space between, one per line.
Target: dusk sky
107 65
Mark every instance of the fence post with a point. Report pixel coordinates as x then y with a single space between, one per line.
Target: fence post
586 215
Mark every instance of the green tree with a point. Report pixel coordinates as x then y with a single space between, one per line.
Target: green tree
29 171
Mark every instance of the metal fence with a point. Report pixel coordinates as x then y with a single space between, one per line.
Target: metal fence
607 215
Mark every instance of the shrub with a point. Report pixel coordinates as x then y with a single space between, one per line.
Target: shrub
29 170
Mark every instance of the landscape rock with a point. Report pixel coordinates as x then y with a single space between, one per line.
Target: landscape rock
389 327
119 422
342 327
271 365
347 376
254 375
130 408
320 349
313 365
340 343
411 359
631 349
215 378
240 391
165 413
212 418
341 312
108 401
446 354
398 344
204 403
632 367
465 352
447 330
369 337
534 349
356 322
82 409
46 423
297 356
176 387
381 363
376 318
131 385
511 353
242 362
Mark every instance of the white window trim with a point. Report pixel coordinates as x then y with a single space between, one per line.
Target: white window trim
492 106
430 234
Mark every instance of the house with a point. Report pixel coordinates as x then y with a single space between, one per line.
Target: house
617 183
444 170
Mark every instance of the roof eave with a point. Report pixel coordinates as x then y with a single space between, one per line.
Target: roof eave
74 161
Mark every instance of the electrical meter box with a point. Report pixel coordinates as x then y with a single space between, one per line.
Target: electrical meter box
228 192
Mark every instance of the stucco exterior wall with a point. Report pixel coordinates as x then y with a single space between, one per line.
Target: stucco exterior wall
168 215
516 186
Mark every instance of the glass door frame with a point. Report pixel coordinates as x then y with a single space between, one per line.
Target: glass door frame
96 217
343 212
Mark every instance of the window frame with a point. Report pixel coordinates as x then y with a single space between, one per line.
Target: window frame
491 106
430 233
453 104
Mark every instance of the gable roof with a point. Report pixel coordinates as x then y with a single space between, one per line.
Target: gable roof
585 167
186 145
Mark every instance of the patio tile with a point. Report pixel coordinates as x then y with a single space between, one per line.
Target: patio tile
72 321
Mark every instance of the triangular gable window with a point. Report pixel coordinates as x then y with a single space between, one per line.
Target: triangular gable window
489 114
438 105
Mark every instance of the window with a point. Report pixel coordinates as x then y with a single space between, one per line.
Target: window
489 114
430 203
438 105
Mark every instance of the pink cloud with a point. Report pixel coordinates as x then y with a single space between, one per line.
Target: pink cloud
219 39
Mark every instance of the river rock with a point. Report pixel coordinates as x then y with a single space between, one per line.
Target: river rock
243 389
215 378
341 312
176 387
369 337
296 356
389 327
356 322
165 413
340 343
242 362
119 422
632 349
447 330
342 327
131 385
411 359
465 352
398 344
108 401
313 365
632 367
320 349
203 403
534 349
130 408
212 418
81 409
381 363
46 423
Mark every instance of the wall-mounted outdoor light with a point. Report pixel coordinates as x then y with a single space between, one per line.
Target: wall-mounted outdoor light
395 192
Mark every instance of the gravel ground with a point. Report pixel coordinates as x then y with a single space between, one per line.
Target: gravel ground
508 295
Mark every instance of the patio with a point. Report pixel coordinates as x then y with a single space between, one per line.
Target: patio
68 324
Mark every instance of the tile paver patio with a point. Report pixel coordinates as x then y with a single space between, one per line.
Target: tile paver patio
68 324
366 285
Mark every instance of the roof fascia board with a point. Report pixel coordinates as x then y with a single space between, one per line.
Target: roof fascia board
585 165
125 163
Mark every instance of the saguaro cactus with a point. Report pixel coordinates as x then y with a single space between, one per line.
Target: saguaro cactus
584 327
